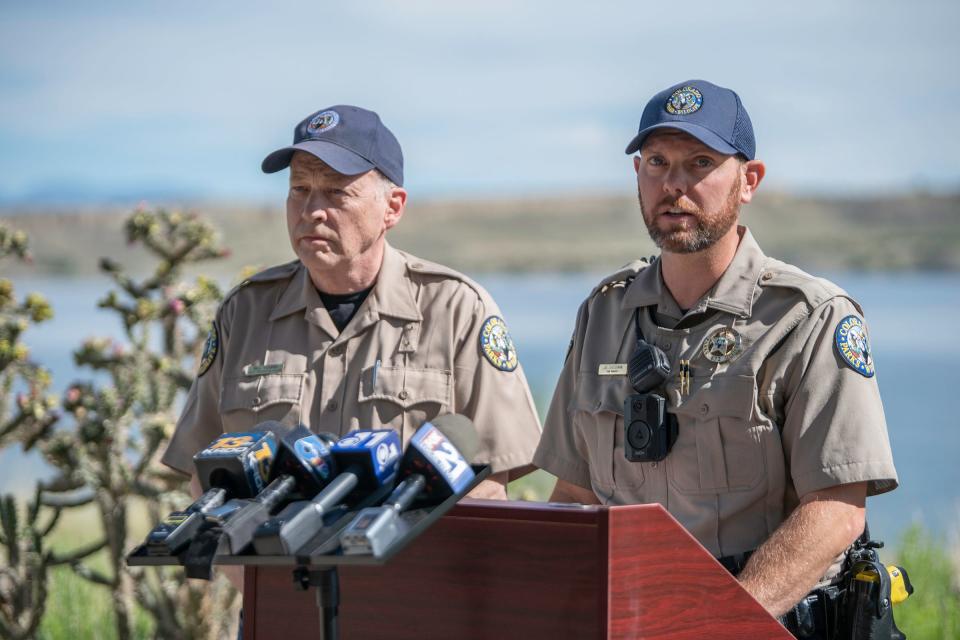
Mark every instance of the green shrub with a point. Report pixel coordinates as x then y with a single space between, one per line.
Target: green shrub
933 611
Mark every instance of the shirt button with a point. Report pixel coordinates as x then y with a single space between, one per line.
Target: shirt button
403 395
704 409
667 346
336 350
767 276
333 405
256 401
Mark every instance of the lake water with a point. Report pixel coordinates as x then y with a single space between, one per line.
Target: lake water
916 363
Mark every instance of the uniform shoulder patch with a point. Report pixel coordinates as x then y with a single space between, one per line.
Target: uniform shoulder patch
853 345
497 345
210 348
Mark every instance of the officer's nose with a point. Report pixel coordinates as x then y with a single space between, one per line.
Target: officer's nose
314 208
675 181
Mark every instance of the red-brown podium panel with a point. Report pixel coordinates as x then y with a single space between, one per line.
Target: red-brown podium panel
529 571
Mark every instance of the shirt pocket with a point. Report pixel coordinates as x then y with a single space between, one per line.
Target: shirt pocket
399 397
247 401
719 444
597 410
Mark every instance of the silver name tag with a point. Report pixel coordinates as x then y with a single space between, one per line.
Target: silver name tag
613 369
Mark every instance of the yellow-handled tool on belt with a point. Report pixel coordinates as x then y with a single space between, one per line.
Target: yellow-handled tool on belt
900 587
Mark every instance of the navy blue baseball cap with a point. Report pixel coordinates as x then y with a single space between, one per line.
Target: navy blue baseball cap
349 139
711 114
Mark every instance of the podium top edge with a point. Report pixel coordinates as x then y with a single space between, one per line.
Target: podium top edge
542 511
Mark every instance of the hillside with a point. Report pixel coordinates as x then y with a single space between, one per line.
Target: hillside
582 232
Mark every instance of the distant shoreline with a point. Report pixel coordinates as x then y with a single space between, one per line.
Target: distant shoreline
543 234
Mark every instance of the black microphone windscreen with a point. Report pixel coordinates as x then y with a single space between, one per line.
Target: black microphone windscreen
461 432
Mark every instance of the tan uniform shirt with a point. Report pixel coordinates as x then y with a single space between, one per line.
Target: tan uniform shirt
784 416
410 353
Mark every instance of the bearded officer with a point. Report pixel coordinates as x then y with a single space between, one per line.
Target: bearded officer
780 431
355 334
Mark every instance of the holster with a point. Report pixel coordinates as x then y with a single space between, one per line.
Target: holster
868 606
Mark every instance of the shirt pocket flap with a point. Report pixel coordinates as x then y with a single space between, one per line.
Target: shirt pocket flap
257 393
722 396
406 386
599 393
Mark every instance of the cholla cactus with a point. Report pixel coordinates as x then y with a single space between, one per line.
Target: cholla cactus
13 243
23 578
26 415
107 453
26 410
110 455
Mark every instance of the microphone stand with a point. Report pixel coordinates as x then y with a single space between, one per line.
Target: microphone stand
327 582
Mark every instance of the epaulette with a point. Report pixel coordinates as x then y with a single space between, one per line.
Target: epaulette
418 265
621 278
815 290
270 274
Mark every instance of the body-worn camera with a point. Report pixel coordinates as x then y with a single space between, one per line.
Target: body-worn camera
649 431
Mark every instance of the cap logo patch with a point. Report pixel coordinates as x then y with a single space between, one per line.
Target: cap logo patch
323 122
684 101
723 345
853 345
497 345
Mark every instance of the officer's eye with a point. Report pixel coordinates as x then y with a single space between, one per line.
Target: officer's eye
703 162
297 189
656 161
336 192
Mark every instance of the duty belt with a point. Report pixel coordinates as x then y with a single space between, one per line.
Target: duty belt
736 562
816 616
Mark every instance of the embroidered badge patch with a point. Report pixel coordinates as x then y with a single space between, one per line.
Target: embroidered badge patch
497 345
853 345
323 122
209 350
723 345
684 101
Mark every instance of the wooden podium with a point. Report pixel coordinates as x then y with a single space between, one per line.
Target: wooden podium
528 571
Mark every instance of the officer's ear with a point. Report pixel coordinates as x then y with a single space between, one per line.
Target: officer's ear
396 201
751 173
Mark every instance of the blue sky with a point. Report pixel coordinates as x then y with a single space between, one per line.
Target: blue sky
122 99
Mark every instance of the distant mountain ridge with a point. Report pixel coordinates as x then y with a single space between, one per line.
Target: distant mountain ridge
71 194
596 232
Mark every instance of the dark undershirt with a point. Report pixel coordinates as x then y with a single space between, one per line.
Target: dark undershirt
342 307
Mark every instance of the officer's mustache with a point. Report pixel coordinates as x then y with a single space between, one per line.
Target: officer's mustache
681 205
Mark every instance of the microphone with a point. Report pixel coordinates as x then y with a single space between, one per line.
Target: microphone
179 527
434 467
303 465
234 465
305 456
237 462
369 461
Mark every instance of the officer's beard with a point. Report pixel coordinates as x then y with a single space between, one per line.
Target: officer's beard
708 230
